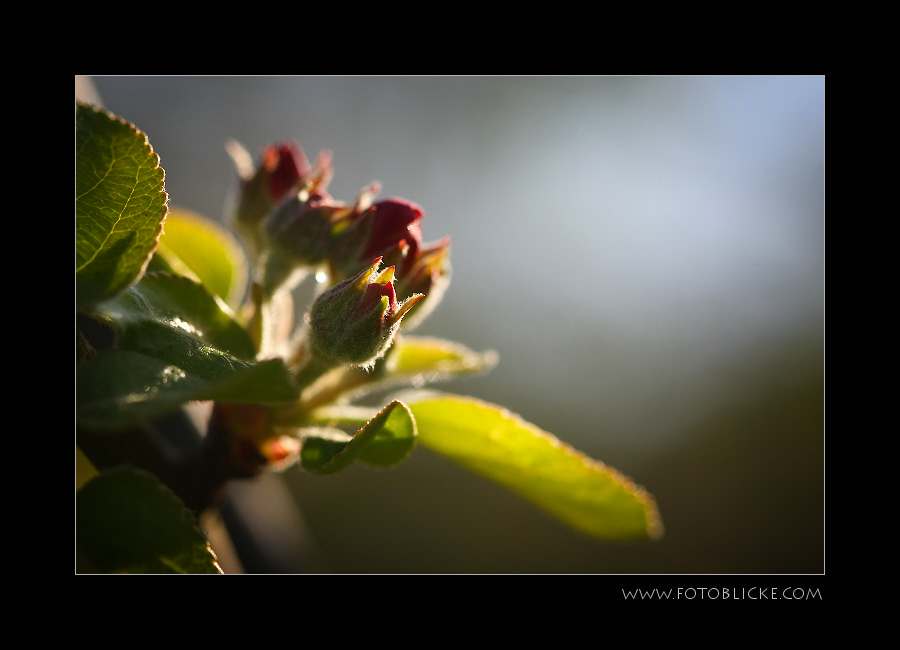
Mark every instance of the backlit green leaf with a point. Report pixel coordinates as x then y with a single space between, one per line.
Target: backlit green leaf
421 359
411 361
126 521
202 249
386 440
501 446
120 204
395 438
177 320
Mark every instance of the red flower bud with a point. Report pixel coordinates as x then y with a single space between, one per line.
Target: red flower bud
394 222
282 171
389 229
298 235
284 166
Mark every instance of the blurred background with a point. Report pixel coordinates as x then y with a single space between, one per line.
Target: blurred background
646 255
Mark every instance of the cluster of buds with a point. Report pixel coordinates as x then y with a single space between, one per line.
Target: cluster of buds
391 229
281 173
293 226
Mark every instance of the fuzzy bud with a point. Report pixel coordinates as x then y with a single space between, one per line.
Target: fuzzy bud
298 235
354 322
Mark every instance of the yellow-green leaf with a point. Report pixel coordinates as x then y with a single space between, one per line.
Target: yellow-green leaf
199 248
582 492
425 359
411 361
84 469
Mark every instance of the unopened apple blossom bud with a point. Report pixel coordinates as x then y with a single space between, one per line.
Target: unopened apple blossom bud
429 274
389 229
282 168
354 322
282 172
298 234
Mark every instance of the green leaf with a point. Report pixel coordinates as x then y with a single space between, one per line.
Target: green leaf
121 388
120 204
177 343
118 389
201 249
421 359
176 319
395 438
320 447
386 440
582 492
126 521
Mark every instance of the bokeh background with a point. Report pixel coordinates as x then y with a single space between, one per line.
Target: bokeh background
646 255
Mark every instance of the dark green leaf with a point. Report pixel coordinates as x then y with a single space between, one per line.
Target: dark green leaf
121 388
126 521
177 320
177 343
499 445
120 204
266 382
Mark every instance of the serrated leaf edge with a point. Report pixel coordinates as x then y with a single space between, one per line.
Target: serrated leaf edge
159 230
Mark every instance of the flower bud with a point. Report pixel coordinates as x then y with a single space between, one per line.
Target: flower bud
282 168
395 222
354 322
389 229
298 234
283 171
303 227
429 274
